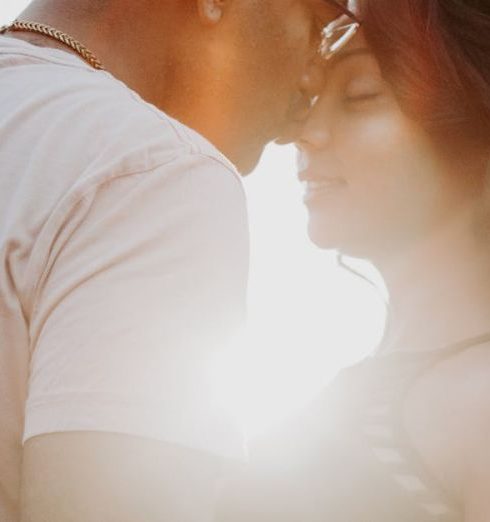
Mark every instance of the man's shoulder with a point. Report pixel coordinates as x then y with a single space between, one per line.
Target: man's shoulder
94 108
130 127
144 125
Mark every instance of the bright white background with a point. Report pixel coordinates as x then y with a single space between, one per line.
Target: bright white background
307 317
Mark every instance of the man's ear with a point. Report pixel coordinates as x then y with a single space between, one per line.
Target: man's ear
211 11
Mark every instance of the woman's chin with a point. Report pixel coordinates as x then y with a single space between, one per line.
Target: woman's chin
323 237
327 230
337 238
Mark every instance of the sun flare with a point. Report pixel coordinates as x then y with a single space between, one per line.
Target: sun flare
307 317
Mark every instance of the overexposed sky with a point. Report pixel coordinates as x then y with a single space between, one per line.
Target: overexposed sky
307 317
10 8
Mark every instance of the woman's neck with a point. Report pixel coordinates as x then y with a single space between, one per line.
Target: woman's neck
439 291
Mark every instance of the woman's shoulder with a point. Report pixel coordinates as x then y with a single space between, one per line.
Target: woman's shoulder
447 416
458 384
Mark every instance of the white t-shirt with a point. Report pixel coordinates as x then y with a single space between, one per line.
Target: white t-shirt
123 263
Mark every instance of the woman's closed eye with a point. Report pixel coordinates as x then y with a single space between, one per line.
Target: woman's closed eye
363 89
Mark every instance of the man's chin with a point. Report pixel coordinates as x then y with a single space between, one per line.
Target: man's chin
247 160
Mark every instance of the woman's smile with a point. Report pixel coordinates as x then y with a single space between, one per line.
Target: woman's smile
321 188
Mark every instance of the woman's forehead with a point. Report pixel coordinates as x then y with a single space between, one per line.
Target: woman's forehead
358 42
357 47
359 39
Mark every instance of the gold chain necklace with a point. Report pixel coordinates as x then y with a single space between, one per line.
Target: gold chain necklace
56 34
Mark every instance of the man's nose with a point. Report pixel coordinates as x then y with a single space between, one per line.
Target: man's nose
313 80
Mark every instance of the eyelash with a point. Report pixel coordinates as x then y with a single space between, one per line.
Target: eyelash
362 97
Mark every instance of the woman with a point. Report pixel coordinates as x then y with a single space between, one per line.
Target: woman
395 157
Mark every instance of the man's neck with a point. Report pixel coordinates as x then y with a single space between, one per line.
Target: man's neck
117 33
138 43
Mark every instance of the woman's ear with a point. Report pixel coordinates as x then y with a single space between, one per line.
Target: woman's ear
211 11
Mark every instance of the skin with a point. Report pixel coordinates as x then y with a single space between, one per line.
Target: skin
422 219
236 71
239 72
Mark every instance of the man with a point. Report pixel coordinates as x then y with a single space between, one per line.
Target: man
123 241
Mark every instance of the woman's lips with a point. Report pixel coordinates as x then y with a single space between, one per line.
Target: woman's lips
320 187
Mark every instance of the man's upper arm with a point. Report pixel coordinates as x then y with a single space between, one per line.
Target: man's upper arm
134 306
477 492
106 477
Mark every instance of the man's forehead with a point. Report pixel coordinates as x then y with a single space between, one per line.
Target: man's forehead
345 5
352 5
341 3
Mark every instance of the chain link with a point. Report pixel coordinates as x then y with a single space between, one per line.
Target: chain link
56 34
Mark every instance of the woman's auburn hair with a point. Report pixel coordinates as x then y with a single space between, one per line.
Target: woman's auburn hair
436 56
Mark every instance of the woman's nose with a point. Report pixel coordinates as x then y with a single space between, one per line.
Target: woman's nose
310 132
311 85
314 133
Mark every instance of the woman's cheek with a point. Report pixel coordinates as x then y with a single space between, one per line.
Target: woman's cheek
380 144
398 183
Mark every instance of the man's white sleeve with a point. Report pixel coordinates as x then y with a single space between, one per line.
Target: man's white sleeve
136 302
